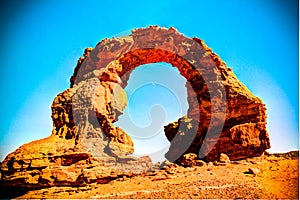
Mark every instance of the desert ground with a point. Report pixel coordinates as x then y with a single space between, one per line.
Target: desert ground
267 176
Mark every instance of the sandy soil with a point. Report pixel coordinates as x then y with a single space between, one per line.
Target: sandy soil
261 177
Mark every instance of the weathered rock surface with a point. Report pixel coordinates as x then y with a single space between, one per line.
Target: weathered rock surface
54 161
86 147
276 178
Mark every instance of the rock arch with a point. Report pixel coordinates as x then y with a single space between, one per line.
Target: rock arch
224 113
85 146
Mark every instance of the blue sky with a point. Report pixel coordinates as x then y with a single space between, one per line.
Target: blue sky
42 40
157 95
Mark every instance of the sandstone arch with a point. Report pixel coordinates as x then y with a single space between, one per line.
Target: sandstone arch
225 117
223 103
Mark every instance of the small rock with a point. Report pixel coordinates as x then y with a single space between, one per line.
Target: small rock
200 163
224 158
169 171
190 160
273 169
254 171
254 162
210 164
165 164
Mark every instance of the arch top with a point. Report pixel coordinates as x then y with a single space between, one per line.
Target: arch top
140 41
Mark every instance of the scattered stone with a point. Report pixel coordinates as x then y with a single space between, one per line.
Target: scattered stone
241 162
274 169
159 178
224 158
200 163
210 164
165 164
254 162
254 171
171 171
189 160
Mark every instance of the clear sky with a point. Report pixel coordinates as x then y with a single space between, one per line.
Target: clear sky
157 96
42 40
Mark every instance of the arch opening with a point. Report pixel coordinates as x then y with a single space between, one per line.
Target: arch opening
157 96
187 127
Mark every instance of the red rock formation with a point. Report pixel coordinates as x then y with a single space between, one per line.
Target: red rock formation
85 146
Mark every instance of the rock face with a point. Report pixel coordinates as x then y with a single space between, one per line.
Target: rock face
86 147
55 161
